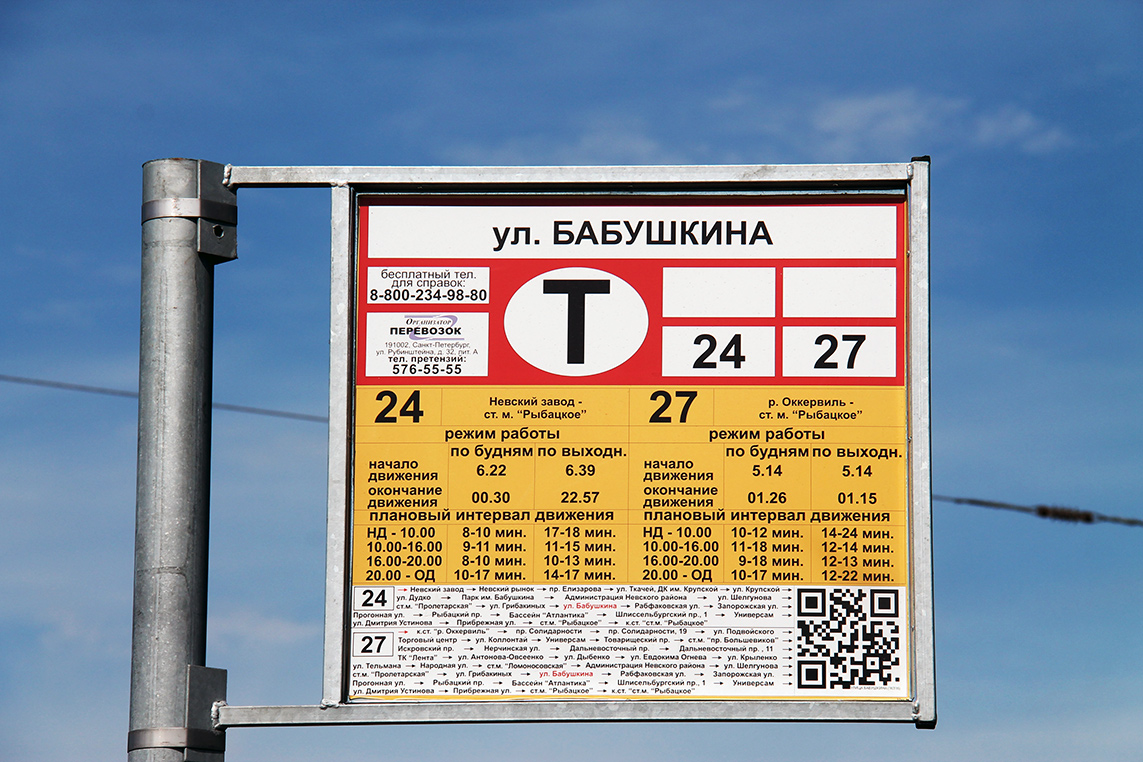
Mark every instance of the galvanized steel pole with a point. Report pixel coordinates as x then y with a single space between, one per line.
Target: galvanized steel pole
183 200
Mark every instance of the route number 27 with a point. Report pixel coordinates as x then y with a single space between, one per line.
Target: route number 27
659 416
831 341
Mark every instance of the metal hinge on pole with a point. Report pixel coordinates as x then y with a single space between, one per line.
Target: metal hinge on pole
206 687
215 209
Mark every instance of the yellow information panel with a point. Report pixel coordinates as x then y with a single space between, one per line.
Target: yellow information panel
629 449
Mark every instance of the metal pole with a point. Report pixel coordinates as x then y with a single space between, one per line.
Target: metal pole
183 198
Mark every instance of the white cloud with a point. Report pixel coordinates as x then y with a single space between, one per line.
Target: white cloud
1012 126
880 123
883 125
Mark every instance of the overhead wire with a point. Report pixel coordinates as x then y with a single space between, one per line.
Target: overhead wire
123 393
1054 512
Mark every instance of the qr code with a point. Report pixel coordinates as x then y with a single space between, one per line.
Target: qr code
848 637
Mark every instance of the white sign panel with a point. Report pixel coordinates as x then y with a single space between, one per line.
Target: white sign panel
631 449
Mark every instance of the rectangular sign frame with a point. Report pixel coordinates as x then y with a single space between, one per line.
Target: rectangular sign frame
811 185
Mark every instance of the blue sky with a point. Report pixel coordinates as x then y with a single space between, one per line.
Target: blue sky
1032 114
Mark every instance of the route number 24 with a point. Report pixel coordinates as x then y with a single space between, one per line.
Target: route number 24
732 352
411 408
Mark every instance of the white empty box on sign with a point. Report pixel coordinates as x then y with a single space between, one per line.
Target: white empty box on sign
718 292
839 292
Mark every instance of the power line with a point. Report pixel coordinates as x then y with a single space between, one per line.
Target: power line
135 395
1059 513
69 387
1055 512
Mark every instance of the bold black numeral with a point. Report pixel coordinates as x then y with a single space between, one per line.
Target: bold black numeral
711 343
658 417
383 416
411 408
690 396
824 362
373 599
731 353
372 644
858 339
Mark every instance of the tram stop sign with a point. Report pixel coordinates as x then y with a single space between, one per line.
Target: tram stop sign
638 452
